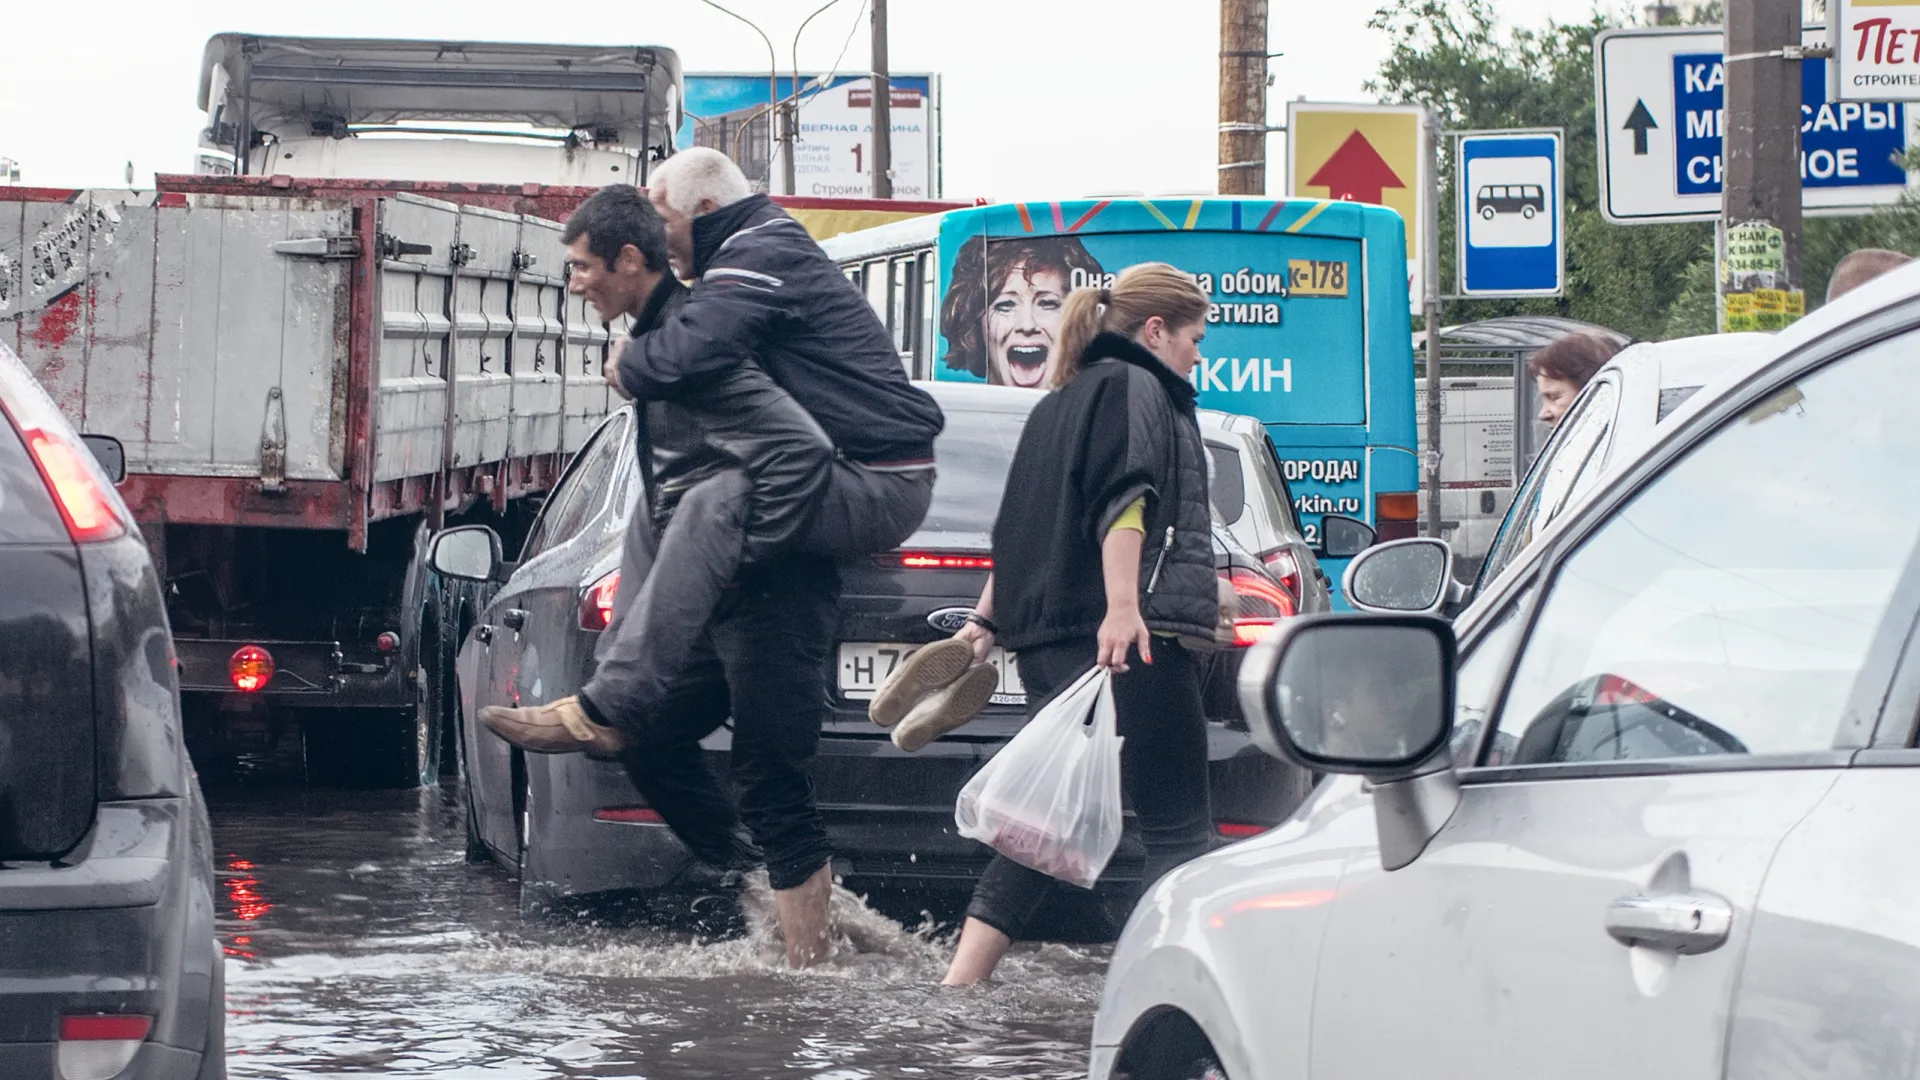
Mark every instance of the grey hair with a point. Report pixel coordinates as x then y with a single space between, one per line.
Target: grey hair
699 173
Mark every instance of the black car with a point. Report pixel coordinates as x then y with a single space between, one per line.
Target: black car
108 962
573 826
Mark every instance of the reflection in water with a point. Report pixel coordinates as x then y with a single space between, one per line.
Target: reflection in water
360 942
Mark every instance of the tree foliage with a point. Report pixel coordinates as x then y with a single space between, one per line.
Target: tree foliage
1649 281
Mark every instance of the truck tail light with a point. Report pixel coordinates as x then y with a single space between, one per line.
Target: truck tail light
250 667
1396 515
387 642
76 487
596 603
99 1047
1263 603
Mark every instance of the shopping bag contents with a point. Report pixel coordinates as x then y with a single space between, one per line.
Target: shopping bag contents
1050 799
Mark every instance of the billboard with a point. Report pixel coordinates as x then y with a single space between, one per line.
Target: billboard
833 145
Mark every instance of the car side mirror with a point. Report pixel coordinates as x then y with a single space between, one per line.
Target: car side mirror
468 552
1342 537
110 454
1370 695
1403 577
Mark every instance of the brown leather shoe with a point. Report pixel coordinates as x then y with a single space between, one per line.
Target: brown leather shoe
558 727
948 708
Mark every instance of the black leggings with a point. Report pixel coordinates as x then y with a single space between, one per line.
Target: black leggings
1163 769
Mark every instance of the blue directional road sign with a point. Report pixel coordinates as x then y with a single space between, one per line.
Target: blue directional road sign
1511 188
1842 143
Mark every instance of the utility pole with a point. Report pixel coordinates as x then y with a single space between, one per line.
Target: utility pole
1759 281
1430 280
882 107
1243 97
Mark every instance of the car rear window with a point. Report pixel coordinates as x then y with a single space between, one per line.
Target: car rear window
27 511
1228 485
1673 397
973 454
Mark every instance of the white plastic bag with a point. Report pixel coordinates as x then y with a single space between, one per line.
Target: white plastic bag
1050 799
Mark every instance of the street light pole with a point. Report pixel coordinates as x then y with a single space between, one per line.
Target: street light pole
882 107
773 81
790 128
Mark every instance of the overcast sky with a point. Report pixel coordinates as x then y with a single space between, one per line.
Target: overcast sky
1043 98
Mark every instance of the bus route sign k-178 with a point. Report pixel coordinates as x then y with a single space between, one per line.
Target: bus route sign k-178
1662 114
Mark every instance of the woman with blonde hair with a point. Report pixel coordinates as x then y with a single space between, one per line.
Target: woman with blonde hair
1103 554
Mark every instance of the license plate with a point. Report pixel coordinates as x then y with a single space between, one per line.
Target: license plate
865 665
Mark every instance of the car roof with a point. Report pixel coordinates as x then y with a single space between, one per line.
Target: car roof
980 397
1691 361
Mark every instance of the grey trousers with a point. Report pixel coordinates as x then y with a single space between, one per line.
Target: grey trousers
669 591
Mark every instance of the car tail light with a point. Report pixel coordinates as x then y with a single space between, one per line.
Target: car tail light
99 1047
76 487
596 603
1263 603
629 815
1285 569
387 641
1396 515
936 560
250 667
1237 830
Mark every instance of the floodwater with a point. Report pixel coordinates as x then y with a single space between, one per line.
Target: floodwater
360 942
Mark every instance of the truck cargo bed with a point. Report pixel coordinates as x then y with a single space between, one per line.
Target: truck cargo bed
284 359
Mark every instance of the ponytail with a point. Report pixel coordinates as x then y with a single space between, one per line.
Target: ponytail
1138 294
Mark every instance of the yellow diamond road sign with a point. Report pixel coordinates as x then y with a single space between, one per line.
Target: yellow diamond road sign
1364 153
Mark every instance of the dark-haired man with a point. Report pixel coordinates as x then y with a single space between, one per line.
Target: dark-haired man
735 455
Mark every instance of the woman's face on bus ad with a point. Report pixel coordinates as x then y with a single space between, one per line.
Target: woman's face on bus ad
1022 321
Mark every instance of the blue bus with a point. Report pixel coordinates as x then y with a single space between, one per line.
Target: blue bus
1309 332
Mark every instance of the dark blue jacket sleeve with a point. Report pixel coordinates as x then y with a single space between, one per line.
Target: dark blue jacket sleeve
732 309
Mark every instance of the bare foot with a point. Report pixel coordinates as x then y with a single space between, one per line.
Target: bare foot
803 919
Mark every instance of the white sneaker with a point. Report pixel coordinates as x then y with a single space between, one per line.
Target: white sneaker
928 669
947 709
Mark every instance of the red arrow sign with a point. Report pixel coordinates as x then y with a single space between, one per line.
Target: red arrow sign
1356 172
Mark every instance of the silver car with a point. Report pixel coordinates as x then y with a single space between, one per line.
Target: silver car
1612 422
1644 809
1250 493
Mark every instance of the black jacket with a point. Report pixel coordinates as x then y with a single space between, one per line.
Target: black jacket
737 418
767 292
1122 429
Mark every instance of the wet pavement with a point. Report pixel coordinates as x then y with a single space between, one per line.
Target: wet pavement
360 942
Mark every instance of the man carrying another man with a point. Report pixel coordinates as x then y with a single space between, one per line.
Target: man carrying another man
778 431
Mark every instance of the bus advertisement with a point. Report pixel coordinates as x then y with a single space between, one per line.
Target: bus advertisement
1309 329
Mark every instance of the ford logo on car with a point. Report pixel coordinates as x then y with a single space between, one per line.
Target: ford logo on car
949 620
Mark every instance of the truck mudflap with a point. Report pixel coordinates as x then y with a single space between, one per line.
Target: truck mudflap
314 673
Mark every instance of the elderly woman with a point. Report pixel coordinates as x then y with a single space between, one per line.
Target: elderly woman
1561 370
1001 316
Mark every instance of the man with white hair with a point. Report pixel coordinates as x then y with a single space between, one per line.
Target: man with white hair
768 298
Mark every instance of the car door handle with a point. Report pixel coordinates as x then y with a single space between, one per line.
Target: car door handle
484 633
1686 922
514 617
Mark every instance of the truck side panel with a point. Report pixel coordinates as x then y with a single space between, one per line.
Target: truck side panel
415 332
539 343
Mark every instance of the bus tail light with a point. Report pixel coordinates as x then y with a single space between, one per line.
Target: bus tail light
596 603
1263 604
1396 515
99 1047
250 667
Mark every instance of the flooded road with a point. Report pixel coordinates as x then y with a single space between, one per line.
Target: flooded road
359 942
